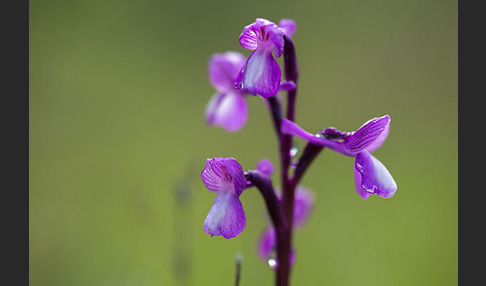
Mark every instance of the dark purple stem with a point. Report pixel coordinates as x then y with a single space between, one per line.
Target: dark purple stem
291 74
276 113
264 184
284 242
308 155
284 238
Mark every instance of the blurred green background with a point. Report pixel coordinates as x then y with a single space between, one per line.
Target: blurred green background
118 140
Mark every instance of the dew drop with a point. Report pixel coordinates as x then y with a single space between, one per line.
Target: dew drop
293 151
272 263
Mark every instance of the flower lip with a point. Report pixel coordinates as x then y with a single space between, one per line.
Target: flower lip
226 217
260 75
228 110
372 177
223 69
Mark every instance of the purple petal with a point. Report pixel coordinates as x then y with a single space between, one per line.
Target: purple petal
223 175
366 136
379 141
291 128
248 38
263 34
229 111
372 177
303 203
292 256
267 243
276 37
226 217
265 166
223 69
287 85
288 26
260 75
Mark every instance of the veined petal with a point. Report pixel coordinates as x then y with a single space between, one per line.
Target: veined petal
379 141
288 26
372 177
262 34
248 38
366 137
226 217
265 166
229 111
223 69
222 175
260 75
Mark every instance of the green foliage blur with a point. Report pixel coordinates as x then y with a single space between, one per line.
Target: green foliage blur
118 141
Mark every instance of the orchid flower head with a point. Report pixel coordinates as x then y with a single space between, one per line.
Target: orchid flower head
227 108
261 73
371 176
225 177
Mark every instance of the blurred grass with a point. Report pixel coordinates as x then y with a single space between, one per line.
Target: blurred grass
117 93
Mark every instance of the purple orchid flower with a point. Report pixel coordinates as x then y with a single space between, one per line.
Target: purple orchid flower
371 176
303 203
227 108
261 73
225 177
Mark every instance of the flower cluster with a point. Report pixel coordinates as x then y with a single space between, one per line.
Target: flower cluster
235 77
